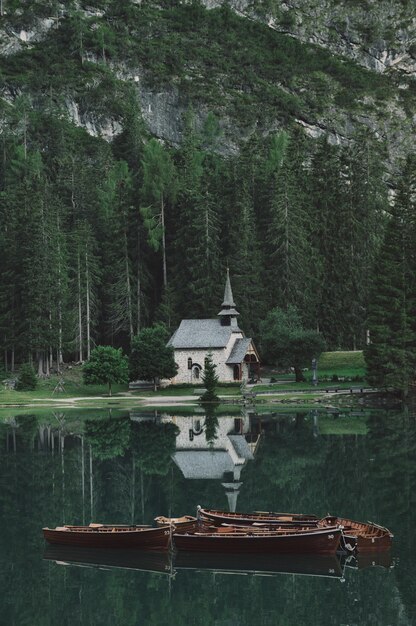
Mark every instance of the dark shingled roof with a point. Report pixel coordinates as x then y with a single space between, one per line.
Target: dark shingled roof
203 464
239 350
202 334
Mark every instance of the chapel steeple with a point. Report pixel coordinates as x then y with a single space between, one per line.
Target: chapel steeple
228 313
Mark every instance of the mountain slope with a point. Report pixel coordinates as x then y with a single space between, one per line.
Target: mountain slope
256 80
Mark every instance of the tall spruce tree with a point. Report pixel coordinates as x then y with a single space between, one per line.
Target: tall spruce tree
158 190
116 199
326 206
27 193
288 261
189 202
210 380
391 355
360 231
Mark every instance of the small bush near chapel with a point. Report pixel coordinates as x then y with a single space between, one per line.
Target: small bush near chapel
210 380
27 379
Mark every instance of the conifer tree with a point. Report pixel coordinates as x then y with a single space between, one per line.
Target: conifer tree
326 202
116 198
85 282
189 203
288 258
287 255
27 192
245 260
27 379
391 355
159 188
360 231
210 380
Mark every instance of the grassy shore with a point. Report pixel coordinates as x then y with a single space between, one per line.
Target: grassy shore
339 369
336 370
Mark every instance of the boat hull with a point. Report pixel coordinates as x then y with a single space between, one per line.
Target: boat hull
316 542
361 536
356 536
144 539
245 519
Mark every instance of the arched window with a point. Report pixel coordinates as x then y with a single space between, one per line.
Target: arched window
189 363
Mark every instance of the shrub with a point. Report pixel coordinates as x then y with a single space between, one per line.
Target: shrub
27 379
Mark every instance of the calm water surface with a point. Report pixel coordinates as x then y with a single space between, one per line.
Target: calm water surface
78 468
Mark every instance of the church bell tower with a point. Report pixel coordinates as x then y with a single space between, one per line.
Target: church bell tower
228 314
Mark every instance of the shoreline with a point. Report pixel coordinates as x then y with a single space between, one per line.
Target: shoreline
313 398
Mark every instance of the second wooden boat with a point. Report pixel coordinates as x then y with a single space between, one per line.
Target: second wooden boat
217 518
186 522
108 536
252 540
356 536
360 536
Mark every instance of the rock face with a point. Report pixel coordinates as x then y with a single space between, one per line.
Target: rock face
378 34
13 40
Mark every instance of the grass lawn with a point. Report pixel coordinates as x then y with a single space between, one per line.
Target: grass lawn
45 390
74 387
331 366
292 386
347 365
329 425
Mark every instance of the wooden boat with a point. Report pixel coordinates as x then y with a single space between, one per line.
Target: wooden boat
110 536
360 536
356 536
245 519
185 522
280 540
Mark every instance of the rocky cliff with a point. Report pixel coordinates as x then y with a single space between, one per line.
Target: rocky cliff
336 69
378 34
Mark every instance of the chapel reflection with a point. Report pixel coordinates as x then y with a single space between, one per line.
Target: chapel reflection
228 445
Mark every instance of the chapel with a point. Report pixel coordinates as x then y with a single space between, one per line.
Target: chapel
234 354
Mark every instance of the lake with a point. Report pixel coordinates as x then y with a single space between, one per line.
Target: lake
78 467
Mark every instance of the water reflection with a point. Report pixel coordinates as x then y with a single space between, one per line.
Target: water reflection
221 455
172 563
77 468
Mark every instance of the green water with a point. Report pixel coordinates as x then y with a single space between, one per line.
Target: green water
78 468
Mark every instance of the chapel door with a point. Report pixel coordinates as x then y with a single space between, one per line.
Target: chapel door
237 372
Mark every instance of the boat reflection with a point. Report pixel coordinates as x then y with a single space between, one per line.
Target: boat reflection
365 560
137 560
165 563
260 564
237 564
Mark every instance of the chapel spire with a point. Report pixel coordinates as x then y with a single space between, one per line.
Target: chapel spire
228 294
228 313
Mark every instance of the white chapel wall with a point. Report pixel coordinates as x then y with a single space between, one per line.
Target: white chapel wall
224 372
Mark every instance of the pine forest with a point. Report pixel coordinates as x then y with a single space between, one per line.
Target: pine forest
276 157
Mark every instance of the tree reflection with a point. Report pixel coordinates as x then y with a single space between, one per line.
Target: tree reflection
108 438
211 422
153 444
369 476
